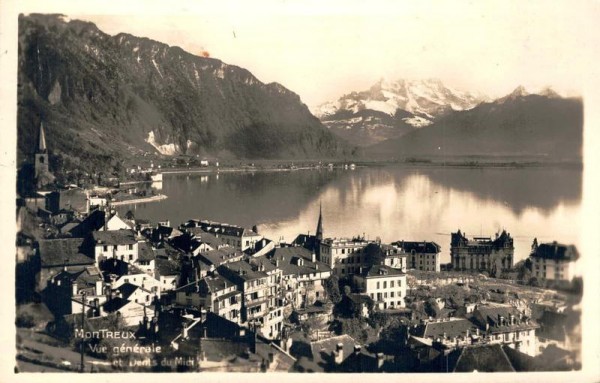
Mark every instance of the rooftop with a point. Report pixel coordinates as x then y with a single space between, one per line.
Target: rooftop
114 237
556 251
381 271
296 261
61 252
418 247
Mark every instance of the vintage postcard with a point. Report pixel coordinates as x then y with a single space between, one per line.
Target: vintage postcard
399 187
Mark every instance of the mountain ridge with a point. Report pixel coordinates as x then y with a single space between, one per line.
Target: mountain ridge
519 123
406 105
104 96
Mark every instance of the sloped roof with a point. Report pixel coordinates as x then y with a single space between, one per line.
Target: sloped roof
488 358
166 267
419 247
287 259
114 237
321 350
64 251
556 251
453 327
242 271
221 256
377 271
145 252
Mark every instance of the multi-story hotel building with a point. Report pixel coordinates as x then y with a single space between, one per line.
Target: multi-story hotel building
482 253
343 255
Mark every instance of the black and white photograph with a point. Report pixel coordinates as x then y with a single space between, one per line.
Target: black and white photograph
302 187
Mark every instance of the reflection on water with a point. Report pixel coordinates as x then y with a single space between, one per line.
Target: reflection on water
392 203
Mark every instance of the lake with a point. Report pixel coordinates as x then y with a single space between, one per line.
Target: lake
390 202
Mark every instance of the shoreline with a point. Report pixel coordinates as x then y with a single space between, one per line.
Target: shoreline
154 198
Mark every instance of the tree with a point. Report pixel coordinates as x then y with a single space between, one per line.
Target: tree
432 308
332 289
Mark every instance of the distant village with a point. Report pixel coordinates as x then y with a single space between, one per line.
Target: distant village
126 294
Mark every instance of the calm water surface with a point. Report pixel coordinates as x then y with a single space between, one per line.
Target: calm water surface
391 203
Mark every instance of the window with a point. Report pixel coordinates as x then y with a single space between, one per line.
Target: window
130 257
385 284
372 296
130 247
392 294
378 285
399 282
104 248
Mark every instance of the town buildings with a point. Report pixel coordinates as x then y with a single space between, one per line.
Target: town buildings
344 255
424 256
482 253
553 261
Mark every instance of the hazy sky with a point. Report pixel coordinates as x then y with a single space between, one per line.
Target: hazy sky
321 52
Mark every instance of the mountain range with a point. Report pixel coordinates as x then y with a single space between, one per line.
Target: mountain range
390 109
104 97
542 124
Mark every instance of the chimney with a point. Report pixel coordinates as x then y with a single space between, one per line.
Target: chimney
338 354
313 257
380 359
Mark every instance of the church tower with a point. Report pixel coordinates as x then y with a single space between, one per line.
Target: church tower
42 172
319 231
41 154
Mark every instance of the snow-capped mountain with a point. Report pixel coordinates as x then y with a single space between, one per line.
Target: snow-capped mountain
521 123
390 109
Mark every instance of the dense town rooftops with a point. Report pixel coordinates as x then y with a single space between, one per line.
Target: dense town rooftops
63 252
114 237
555 251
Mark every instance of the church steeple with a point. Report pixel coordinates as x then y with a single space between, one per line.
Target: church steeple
42 140
42 174
319 231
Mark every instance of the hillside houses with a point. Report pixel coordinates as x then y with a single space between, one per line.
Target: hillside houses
173 285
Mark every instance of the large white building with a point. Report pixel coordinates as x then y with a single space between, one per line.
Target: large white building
345 256
385 285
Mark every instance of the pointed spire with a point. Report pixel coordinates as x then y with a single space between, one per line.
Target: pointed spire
319 233
42 142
